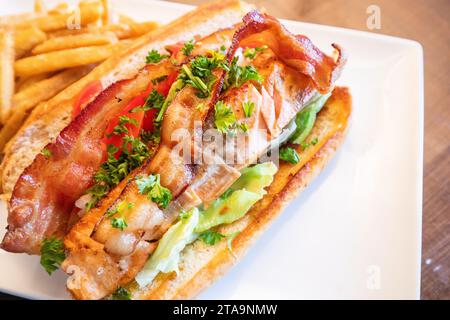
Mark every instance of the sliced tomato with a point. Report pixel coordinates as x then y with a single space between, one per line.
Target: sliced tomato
148 91
133 129
175 48
164 86
144 120
91 90
149 118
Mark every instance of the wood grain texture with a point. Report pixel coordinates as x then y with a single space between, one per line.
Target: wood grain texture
426 22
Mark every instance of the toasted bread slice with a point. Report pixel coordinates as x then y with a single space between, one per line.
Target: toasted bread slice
202 264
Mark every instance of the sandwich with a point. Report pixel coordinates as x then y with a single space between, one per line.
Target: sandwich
154 173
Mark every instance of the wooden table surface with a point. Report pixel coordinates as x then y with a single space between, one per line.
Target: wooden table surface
427 23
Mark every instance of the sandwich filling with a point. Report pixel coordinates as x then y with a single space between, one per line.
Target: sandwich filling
170 155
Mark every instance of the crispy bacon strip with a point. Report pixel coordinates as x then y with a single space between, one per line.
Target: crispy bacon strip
296 51
46 191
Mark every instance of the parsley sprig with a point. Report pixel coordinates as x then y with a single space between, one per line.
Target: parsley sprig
118 213
224 117
154 56
188 47
154 100
52 254
248 108
290 155
121 127
211 237
306 145
151 186
121 294
199 73
250 53
238 75
113 170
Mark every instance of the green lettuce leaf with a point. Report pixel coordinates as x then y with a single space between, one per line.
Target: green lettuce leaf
247 190
305 119
243 194
167 255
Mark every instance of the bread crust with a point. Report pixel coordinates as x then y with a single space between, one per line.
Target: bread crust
50 117
201 265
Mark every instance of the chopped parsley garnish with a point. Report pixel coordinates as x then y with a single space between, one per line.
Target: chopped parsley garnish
154 56
188 47
224 117
251 52
150 137
196 82
248 108
243 126
290 155
238 75
306 145
119 221
47 153
185 214
121 294
121 127
113 170
52 254
97 192
199 73
154 100
226 194
151 186
211 237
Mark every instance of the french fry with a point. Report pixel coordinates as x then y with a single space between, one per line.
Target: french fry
137 28
126 19
22 19
6 72
47 88
120 30
108 14
75 41
58 60
39 7
26 39
88 12
24 82
142 28
59 8
27 99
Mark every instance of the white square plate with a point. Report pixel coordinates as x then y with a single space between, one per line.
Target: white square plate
356 231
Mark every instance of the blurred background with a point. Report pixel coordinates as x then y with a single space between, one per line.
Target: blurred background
427 23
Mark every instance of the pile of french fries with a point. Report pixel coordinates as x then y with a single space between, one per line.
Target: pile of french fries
44 51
